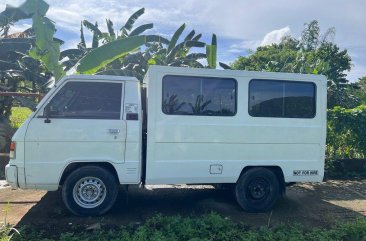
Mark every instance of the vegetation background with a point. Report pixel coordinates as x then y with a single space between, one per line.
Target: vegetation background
31 61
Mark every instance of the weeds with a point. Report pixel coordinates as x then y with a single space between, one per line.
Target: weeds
206 227
6 230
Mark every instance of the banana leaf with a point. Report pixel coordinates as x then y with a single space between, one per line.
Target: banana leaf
157 39
131 21
105 54
211 52
175 37
190 36
141 29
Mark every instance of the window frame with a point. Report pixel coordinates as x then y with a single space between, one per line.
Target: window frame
285 81
121 113
206 77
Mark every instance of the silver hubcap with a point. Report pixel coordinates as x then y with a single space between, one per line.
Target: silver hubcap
89 192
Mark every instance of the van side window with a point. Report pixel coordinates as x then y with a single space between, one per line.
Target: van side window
204 96
87 100
286 99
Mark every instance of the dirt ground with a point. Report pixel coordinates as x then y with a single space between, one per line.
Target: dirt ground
310 204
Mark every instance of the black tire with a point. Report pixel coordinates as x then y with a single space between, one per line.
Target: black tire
257 190
84 185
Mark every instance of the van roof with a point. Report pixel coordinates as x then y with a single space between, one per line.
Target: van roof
99 77
235 73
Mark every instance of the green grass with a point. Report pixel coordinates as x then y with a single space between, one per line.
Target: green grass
18 116
206 227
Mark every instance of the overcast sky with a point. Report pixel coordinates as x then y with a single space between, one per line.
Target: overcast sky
239 24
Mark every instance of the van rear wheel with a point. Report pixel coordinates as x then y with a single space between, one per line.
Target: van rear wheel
257 190
90 190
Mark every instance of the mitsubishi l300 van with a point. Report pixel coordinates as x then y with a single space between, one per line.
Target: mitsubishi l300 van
255 131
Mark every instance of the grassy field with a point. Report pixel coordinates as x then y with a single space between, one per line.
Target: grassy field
206 227
18 116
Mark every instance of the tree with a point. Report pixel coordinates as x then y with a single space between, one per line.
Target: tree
161 51
274 58
127 30
312 54
362 84
107 53
358 89
310 36
362 89
45 48
177 54
158 50
108 58
72 56
26 58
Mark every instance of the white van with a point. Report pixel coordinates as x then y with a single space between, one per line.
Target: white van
255 130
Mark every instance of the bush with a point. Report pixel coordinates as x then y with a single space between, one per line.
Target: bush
18 116
346 141
346 137
207 227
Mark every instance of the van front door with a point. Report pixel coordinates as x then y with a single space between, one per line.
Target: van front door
82 122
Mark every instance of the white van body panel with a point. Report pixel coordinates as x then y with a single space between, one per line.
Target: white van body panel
50 147
185 148
132 168
18 163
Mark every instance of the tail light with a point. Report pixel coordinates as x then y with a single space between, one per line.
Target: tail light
12 150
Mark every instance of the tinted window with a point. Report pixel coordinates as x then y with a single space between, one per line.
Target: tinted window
287 99
187 95
87 100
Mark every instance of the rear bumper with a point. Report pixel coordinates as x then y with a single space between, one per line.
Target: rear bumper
11 174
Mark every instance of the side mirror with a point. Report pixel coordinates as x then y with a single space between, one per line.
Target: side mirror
46 113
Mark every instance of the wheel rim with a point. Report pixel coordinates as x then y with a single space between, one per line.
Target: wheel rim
89 192
258 189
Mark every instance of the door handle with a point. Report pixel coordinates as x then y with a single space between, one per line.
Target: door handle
114 131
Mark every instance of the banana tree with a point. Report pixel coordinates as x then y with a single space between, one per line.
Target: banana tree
45 48
10 49
27 59
127 30
18 72
161 51
136 64
98 58
71 57
105 54
177 54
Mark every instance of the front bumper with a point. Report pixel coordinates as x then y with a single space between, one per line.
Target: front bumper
11 173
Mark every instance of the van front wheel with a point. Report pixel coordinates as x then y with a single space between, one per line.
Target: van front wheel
89 190
257 190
